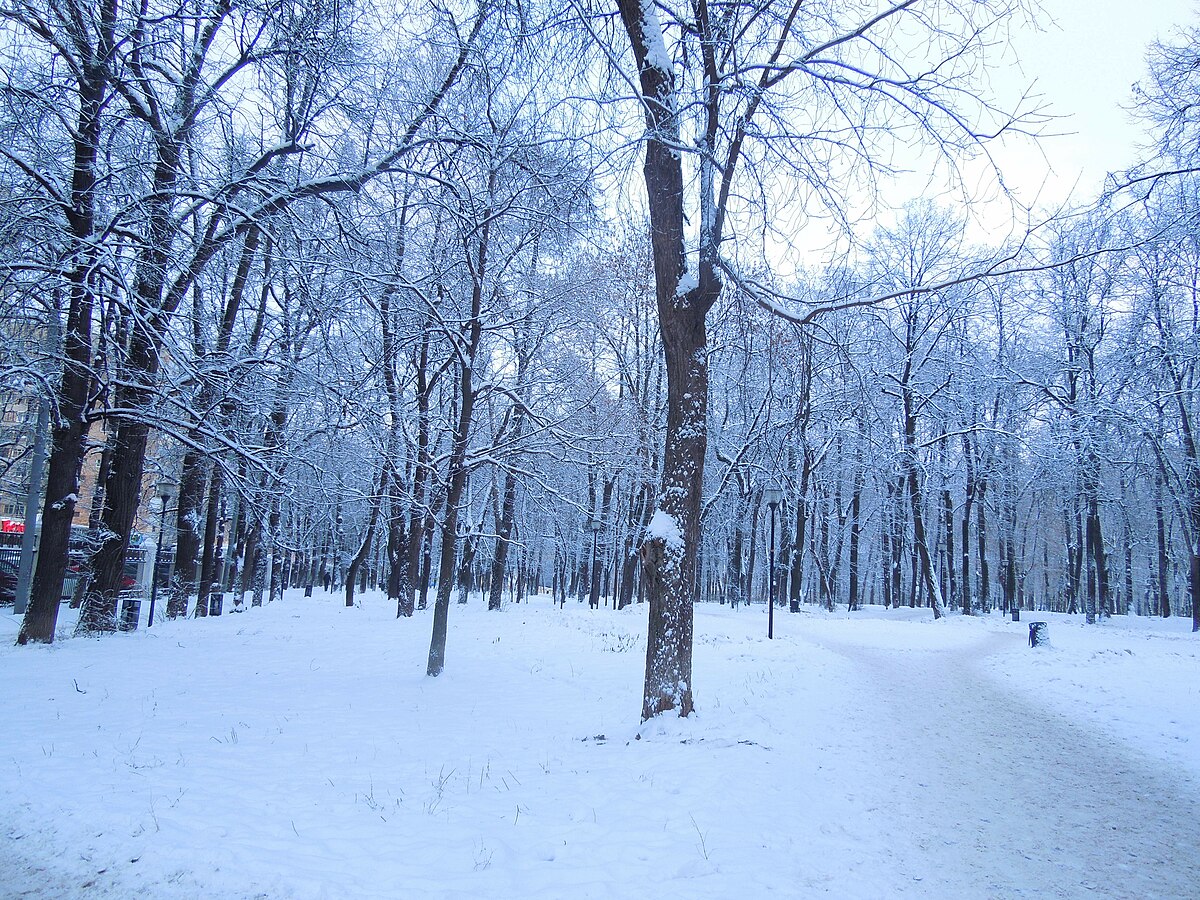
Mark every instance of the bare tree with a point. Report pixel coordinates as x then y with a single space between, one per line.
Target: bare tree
730 87
165 82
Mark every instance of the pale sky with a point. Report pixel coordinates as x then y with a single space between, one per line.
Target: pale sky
1082 58
1084 62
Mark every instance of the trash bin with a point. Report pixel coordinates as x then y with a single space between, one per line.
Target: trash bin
215 604
131 610
1016 611
1039 634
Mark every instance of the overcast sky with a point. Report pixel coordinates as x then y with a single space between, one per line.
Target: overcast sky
1085 61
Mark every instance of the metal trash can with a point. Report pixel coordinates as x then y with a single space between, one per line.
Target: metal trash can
131 610
1039 634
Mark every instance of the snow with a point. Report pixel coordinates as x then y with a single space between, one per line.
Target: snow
298 750
662 526
656 50
687 283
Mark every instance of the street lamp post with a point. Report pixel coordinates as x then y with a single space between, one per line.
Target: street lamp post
594 598
164 496
773 497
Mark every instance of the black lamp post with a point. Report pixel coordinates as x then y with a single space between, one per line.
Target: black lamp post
337 553
773 497
594 597
164 497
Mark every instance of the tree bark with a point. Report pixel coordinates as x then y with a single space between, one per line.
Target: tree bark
968 504
916 501
208 562
669 565
855 525
365 548
69 432
1161 558
457 471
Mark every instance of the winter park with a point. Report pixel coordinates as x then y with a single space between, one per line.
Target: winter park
599 449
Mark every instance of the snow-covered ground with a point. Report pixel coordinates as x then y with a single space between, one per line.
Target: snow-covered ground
300 751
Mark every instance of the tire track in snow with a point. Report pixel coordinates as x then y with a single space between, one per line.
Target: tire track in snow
990 795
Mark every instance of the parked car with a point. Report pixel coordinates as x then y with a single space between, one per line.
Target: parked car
78 568
8 582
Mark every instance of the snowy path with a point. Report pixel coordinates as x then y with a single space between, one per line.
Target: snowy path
993 796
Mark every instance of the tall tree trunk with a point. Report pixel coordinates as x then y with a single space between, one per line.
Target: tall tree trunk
823 556
445 585
423 582
796 576
922 545
1010 570
1162 557
896 494
916 502
948 514
885 548
122 496
504 527
400 576
737 552
1194 586
968 505
669 553
466 564
639 514
364 549
69 432
855 525
193 479
985 580
208 563
457 471
420 523
250 550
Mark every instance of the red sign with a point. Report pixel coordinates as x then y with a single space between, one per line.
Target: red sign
11 526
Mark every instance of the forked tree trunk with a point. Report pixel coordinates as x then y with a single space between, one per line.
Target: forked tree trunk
208 562
504 529
916 501
800 505
193 480
921 543
364 549
669 554
639 514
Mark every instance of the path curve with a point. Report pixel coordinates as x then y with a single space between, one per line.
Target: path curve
992 795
